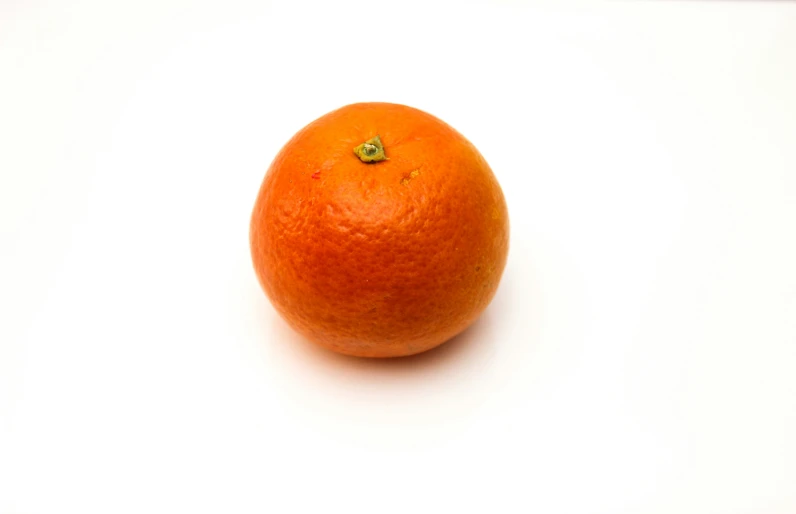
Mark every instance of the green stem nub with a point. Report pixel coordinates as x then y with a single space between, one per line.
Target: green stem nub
371 150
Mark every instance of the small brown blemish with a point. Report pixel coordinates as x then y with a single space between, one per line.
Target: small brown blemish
478 268
412 174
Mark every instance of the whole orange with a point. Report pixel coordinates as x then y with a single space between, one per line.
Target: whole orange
379 231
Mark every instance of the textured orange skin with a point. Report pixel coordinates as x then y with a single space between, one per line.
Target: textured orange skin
369 259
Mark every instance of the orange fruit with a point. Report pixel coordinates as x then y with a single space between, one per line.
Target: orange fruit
379 231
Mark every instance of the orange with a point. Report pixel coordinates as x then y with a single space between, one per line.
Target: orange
379 231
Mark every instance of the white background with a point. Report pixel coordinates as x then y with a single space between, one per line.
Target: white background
639 357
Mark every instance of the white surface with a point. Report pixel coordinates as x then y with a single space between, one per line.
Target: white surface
640 355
